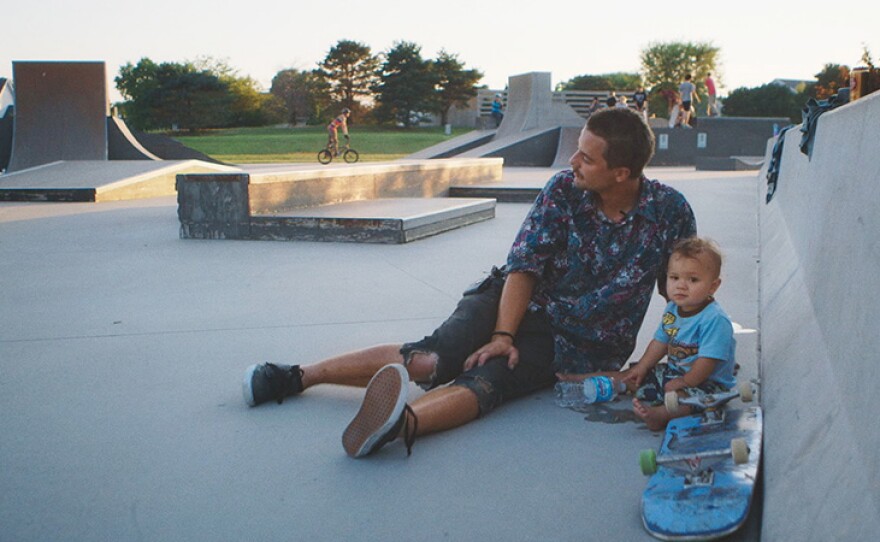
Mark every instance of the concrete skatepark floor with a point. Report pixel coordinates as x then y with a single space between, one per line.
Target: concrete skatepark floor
122 348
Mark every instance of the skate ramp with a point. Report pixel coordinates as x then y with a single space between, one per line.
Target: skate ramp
531 105
455 146
531 148
122 144
819 255
99 180
7 97
163 146
7 101
529 135
568 144
60 113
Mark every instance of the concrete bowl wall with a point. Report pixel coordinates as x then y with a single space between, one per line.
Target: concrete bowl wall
820 256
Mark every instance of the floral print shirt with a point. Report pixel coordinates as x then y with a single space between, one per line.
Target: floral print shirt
595 276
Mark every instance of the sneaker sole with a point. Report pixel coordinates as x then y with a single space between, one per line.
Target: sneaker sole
381 409
247 390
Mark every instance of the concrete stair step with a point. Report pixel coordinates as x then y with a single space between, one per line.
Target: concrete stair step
389 220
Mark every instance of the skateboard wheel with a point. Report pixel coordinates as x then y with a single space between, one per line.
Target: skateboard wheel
648 462
739 450
745 392
671 400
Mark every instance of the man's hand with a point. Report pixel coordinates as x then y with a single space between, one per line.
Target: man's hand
501 346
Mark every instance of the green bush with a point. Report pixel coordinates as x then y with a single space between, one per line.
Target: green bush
770 100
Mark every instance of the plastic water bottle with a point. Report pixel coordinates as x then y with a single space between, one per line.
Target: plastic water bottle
596 389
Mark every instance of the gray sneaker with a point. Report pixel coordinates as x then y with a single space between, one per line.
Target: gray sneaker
268 382
383 414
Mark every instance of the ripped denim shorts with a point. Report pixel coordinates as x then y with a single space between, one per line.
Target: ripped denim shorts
468 328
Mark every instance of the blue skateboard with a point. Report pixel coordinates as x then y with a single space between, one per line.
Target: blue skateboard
704 475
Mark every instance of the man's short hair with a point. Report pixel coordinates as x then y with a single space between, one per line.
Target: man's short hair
629 142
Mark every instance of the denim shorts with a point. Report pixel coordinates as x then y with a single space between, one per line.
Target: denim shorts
468 328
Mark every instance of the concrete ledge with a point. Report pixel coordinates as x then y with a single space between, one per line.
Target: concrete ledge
278 191
502 194
714 138
376 203
731 163
99 180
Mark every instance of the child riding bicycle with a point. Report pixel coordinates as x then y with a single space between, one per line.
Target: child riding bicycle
332 138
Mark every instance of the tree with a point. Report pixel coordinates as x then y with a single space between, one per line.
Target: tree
304 94
188 99
664 66
406 84
350 68
770 100
454 85
248 102
137 83
608 81
167 95
669 62
832 78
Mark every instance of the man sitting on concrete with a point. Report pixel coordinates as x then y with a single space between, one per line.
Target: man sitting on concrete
578 280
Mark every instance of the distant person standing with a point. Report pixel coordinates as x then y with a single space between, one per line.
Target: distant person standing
688 93
497 112
594 106
641 99
612 100
712 107
622 103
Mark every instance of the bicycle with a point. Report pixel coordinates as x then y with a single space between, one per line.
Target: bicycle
326 155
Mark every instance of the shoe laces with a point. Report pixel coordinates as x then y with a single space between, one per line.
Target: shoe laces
409 433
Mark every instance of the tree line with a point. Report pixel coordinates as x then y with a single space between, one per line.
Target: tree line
772 100
396 87
400 87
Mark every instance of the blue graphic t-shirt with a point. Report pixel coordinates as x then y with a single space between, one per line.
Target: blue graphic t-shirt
595 277
707 334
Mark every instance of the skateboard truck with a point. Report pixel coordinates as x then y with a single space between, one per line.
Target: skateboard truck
709 405
697 474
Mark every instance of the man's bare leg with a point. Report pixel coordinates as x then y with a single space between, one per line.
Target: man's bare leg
445 408
270 382
353 368
386 415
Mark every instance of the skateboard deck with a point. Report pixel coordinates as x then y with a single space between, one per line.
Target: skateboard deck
699 492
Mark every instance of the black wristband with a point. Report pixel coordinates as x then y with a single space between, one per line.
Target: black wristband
505 333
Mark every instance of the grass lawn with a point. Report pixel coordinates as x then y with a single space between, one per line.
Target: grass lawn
301 144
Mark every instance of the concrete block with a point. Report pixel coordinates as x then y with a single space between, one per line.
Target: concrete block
212 206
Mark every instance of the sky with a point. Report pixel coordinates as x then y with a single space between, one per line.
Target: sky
758 40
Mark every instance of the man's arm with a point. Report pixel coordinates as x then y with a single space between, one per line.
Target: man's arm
684 226
514 302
